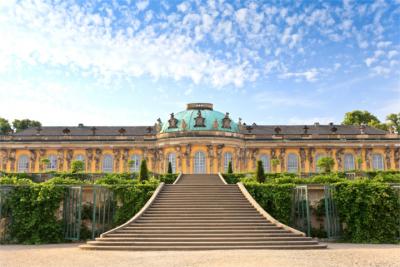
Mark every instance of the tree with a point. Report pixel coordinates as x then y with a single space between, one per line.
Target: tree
359 117
393 120
45 163
5 127
326 164
144 173
230 168
77 166
275 162
169 168
20 125
260 176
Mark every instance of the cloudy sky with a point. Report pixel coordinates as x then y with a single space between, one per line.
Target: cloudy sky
129 62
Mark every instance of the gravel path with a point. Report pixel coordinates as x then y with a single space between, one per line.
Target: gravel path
70 255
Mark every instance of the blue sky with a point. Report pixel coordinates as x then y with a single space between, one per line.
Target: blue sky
129 62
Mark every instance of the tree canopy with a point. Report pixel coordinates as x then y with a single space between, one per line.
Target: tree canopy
393 120
5 126
359 117
20 125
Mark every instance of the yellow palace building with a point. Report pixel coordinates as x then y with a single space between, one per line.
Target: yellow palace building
200 140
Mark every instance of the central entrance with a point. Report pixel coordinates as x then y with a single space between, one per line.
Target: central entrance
199 162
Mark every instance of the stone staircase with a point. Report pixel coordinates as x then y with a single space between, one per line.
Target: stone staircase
200 212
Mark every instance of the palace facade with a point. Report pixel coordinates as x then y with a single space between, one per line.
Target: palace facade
200 140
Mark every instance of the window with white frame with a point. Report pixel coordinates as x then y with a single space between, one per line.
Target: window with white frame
23 163
292 163
227 159
349 163
200 162
172 160
377 162
265 162
317 157
108 163
53 163
135 163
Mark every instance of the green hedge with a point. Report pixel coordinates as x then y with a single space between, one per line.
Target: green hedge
274 198
369 210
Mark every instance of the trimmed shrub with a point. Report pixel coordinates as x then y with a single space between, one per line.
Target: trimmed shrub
260 176
144 173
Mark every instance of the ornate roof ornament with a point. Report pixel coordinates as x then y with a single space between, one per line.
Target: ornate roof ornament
199 120
277 130
184 125
305 128
173 122
362 128
66 131
122 131
226 121
93 129
215 124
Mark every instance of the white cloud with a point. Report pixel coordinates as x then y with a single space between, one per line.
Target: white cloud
309 75
183 7
142 4
241 16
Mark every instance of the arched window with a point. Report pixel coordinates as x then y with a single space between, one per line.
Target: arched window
135 163
53 163
349 162
293 163
377 162
108 163
266 162
80 157
23 163
317 157
172 159
227 159
199 162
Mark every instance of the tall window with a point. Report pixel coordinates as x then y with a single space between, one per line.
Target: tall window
377 162
293 163
135 166
172 160
349 162
227 159
23 163
199 162
53 163
80 157
317 157
266 162
108 163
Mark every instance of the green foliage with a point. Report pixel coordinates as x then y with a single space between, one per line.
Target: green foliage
326 164
45 162
358 117
393 120
230 168
275 162
233 178
369 210
260 176
276 199
169 168
13 180
77 166
144 173
387 177
5 127
20 125
168 178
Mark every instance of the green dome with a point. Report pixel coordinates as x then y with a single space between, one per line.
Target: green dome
186 120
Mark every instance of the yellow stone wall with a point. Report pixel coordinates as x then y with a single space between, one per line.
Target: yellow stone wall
212 152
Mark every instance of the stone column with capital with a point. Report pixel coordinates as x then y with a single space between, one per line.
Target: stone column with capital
89 159
69 158
60 159
339 155
219 157
4 159
32 160
117 156
178 150
358 152
187 155
12 159
42 154
303 157
387 158
368 152
97 159
210 152
282 157
397 158
125 159
311 152
254 155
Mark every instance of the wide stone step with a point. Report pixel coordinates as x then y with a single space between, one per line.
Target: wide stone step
200 213
205 231
206 224
202 243
226 205
203 239
236 217
202 247
204 235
